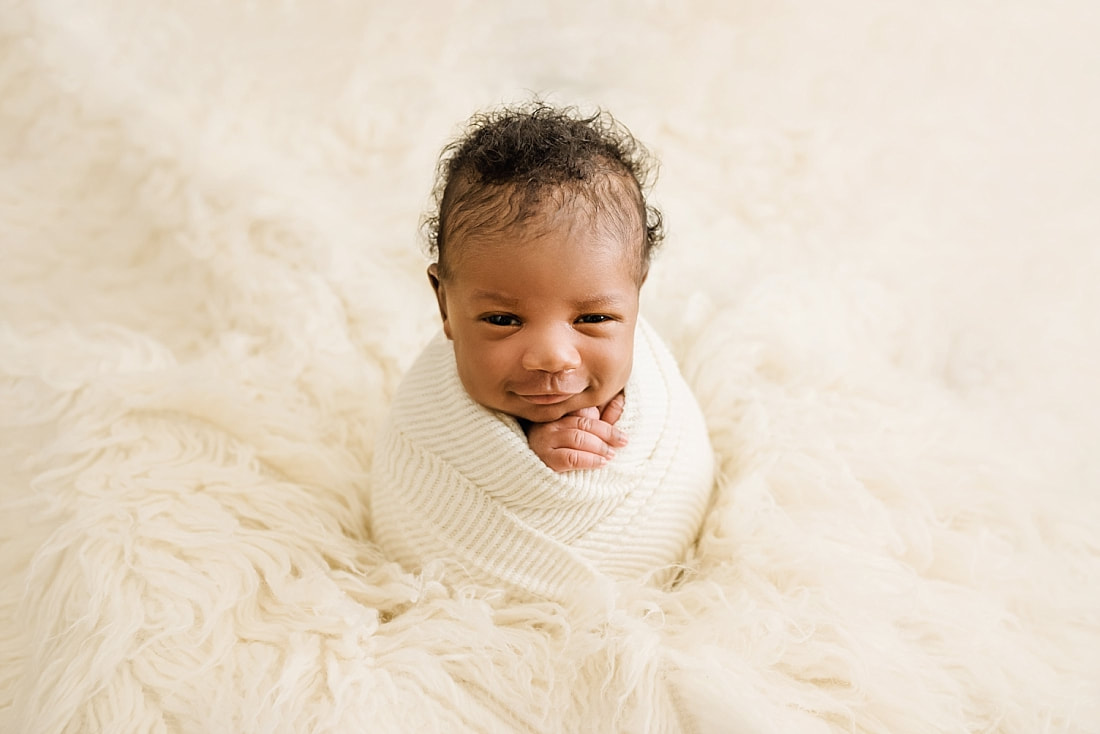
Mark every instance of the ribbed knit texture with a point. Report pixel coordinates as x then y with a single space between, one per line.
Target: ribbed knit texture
456 481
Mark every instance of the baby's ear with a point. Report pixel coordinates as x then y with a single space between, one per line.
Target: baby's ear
440 296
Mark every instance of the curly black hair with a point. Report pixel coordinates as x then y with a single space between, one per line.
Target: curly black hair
511 160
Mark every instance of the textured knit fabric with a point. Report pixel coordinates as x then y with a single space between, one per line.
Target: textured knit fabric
456 481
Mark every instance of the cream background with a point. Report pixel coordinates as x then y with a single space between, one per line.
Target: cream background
879 280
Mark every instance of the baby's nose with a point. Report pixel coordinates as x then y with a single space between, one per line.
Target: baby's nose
551 355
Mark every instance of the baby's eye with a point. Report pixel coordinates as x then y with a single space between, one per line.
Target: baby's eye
593 318
501 319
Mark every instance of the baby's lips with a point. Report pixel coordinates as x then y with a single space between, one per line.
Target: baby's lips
543 390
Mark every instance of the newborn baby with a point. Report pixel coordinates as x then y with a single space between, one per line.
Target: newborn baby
545 441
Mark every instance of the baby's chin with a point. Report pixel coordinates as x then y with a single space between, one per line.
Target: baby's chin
550 413
542 413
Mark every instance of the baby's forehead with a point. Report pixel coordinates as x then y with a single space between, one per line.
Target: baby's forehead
597 227
603 211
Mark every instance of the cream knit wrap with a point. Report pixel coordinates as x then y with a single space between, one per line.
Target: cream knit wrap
456 481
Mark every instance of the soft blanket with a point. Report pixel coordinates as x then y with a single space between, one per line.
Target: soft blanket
456 481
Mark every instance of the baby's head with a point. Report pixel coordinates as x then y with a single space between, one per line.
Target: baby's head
542 238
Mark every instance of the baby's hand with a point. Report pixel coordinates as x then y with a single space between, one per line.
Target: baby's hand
583 439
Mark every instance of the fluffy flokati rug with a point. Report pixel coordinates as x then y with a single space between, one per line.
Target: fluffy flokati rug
879 281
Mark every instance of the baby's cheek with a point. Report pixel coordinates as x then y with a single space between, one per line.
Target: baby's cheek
500 364
609 387
617 370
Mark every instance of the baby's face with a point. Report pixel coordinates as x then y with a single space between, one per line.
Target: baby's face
542 321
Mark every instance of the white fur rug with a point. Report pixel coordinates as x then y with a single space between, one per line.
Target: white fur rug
880 280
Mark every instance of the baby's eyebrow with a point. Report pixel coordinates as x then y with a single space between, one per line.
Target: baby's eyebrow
587 303
597 302
495 297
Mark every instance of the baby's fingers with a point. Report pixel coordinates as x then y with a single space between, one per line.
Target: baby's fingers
602 430
581 439
614 408
572 460
591 412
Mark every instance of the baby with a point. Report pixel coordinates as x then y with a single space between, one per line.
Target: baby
546 440
543 240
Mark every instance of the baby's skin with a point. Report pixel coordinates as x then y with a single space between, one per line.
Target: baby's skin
542 317
584 439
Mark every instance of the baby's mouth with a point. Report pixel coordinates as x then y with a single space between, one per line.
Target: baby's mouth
547 398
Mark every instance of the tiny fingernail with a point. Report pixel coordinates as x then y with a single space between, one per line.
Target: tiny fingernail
611 453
